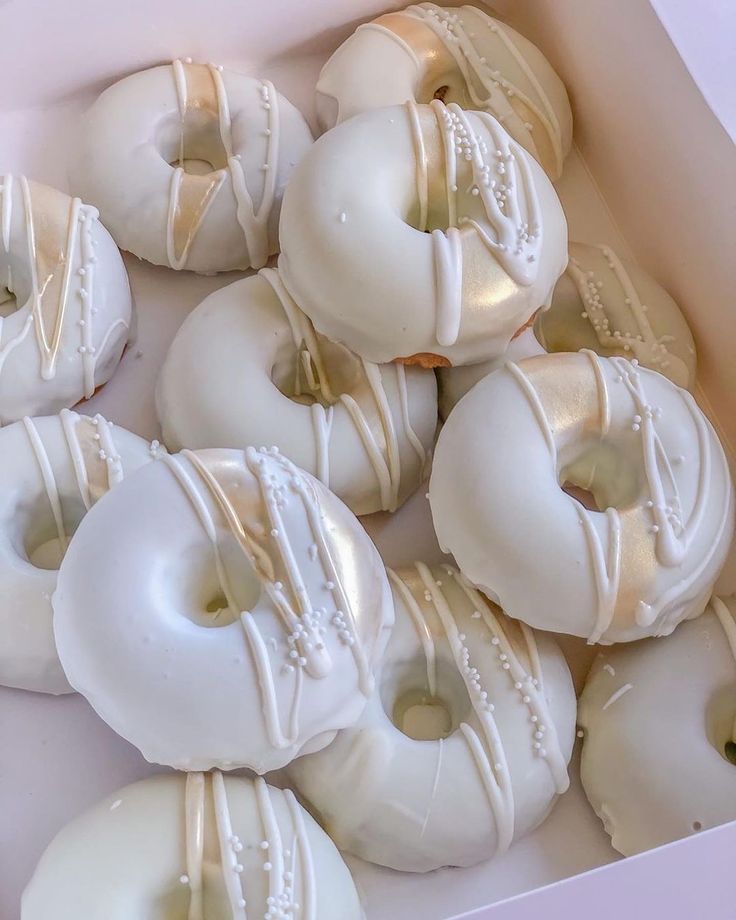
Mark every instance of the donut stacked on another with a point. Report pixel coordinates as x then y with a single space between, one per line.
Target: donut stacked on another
247 367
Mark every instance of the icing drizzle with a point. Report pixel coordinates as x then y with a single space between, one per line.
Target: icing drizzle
373 419
200 86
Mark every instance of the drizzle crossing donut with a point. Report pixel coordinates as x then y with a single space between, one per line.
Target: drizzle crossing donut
416 231
642 554
204 154
464 744
66 308
248 368
193 847
230 586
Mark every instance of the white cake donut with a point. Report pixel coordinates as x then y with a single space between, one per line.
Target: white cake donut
647 456
358 255
193 847
604 303
52 471
187 164
65 304
457 55
248 368
232 615
464 745
675 699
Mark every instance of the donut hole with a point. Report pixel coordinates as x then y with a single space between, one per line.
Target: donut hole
601 477
720 722
414 709
296 373
39 541
194 145
8 302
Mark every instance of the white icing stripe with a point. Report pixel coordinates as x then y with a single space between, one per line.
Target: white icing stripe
420 624
194 818
606 565
603 398
269 703
228 857
499 806
306 861
448 141
272 836
69 421
448 267
180 81
616 696
177 261
47 475
413 437
112 459
435 785
322 422
420 154
726 619
374 375
535 404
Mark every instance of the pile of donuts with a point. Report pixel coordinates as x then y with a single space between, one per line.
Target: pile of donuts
215 596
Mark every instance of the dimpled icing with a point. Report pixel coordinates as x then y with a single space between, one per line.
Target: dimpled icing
671 698
234 588
364 430
205 153
458 55
64 335
52 470
649 459
491 775
415 231
195 847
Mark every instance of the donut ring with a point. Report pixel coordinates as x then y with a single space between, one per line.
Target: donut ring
678 693
644 452
206 154
358 257
208 839
456 55
66 307
603 303
247 368
53 470
236 589
465 743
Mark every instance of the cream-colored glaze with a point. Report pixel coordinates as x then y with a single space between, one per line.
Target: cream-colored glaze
195 847
463 795
73 304
648 559
236 589
657 717
421 229
52 470
205 154
604 303
458 55
365 431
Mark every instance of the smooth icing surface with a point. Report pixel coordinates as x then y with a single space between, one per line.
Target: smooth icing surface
489 769
248 368
659 719
643 449
457 55
195 847
65 304
52 471
235 616
204 154
424 229
604 303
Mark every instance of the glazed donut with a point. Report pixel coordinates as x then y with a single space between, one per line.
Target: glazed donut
457 55
465 742
358 257
204 154
673 698
52 471
603 303
648 459
65 308
233 588
248 368
190 847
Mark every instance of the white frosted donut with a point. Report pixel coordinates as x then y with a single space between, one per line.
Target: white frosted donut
649 460
52 471
192 847
232 615
248 368
65 304
604 303
457 55
464 745
659 721
187 164
421 232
